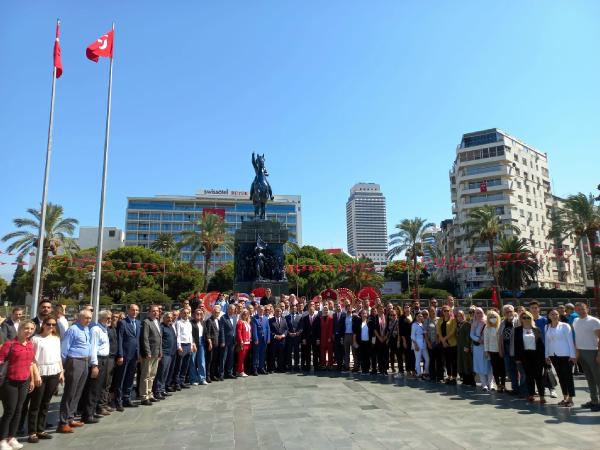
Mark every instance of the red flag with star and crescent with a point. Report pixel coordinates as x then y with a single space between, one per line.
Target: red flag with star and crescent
57 60
101 48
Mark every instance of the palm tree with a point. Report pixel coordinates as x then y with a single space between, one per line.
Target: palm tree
485 226
580 217
409 239
57 235
211 235
165 244
515 274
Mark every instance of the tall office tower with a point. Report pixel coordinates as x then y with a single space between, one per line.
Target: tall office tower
366 224
494 168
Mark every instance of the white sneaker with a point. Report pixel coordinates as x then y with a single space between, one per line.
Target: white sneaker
203 383
14 444
194 384
243 375
4 445
485 389
553 393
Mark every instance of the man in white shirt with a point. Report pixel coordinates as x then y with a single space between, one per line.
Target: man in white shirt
587 341
185 347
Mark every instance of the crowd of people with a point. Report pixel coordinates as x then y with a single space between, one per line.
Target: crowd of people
98 363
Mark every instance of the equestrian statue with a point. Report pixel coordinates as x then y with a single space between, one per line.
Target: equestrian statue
260 191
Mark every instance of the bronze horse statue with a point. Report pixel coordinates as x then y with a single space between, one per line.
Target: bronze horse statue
260 191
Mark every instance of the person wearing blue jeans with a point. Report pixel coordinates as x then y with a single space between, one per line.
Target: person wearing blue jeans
197 364
261 336
167 362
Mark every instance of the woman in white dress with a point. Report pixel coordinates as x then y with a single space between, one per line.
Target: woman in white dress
481 364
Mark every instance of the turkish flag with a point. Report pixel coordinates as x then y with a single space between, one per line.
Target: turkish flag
483 186
101 48
57 61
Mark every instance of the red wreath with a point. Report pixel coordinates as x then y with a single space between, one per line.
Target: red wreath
368 293
346 294
259 292
209 300
329 294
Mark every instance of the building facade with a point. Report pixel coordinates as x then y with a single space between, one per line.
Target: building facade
147 217
494 168
113 238
366 223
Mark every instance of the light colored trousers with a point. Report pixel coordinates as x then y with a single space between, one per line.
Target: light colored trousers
424 355
148 373
350 350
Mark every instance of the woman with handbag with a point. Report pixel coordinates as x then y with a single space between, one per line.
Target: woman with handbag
560 352
243 339
19 376
49 364
530 353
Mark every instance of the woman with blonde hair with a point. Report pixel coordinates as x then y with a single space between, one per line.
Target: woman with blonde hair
530 354
481 363
490 346
243 337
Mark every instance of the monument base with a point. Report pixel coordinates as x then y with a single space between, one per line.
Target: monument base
273 235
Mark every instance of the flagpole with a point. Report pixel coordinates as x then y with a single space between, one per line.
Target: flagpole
103 194
41 234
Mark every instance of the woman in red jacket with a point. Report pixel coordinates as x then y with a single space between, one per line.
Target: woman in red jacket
326 338
243 337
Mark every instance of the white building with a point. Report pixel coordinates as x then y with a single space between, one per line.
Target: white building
494 168
113 238
366 223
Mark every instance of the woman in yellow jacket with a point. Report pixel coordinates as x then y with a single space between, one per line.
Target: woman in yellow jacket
446 331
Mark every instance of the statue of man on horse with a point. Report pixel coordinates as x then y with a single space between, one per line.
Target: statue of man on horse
260 191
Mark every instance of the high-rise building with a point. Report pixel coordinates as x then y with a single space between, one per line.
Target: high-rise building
147 217
366 223
494 168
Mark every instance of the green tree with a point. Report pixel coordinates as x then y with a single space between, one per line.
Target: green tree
409 239
57 234
15 293
515 274
485 226
222 280
360 276
146 296
210 236
3 287
165 244
580 217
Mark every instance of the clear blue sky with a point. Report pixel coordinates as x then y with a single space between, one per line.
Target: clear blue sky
332 92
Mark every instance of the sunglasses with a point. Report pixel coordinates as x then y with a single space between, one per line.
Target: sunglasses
50 324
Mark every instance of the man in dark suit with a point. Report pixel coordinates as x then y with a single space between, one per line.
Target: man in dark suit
166 365
261 336
150 352
338 336
311 338
44 310
227 327
128 352
10 326
292 342
279 331
213 345
267 299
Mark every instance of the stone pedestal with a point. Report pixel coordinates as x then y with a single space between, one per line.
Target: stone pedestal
271 237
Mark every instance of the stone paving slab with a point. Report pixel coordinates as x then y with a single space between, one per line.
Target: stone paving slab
338 411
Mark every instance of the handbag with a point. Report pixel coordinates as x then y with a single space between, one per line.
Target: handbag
4 366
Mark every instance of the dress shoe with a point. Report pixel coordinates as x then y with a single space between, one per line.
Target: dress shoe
262 372
220 379
98 416
64 429
120 408
170 389
155 399
230 377
76 423
146 403
178 388
166 394
44 435
130 405
90 420
103 412
255 373
208 380
185 386
33 439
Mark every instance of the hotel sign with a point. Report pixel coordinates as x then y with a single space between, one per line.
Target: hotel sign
222 193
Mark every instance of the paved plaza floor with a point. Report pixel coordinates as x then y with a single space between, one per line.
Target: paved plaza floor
331 411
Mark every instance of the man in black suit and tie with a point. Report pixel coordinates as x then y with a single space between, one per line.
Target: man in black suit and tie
227 327
279 331
338 335
311 338
292 342
10 327
151 352
128 353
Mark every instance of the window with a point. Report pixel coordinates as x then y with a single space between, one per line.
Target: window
529 201
521 213
483 169
524 161
111 233
520 197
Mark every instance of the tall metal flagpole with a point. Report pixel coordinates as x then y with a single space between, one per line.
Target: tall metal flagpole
41 234
98 269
